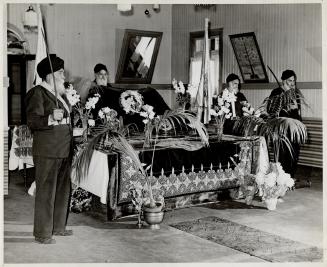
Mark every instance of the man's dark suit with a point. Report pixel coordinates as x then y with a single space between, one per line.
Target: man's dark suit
52 148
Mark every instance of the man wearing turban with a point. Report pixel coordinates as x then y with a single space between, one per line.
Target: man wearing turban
52 150
285 101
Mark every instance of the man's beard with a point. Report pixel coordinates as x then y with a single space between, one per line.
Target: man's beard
60 87
101 81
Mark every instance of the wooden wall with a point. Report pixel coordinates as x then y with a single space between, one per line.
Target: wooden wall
289 36
86 34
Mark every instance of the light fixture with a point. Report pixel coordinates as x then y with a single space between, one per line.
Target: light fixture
156 8
30 19
124 7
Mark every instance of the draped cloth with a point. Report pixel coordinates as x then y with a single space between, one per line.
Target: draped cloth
203 98
41 50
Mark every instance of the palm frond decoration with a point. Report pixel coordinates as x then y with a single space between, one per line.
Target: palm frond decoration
283 130
275 104
247 125
183 118
110 139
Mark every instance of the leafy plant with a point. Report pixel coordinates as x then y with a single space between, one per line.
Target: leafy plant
276 130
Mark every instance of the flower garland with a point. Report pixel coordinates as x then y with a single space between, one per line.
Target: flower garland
131 101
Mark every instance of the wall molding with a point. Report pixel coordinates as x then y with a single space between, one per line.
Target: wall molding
164 86
300 85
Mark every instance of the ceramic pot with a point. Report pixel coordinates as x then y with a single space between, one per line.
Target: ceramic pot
271 203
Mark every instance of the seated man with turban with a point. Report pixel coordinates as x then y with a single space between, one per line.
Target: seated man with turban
110 97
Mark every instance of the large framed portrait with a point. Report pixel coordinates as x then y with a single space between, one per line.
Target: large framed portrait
138 56
249 58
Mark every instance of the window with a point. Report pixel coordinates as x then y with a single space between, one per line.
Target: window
216 52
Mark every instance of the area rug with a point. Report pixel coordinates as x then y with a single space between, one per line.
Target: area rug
254 242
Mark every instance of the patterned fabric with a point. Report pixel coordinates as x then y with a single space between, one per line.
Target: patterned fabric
24 141
184 182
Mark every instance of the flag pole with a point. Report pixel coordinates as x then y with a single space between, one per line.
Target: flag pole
51 68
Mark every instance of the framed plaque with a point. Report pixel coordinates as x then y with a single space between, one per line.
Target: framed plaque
249 58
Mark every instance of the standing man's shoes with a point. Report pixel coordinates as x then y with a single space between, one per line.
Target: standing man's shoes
45 240
63 233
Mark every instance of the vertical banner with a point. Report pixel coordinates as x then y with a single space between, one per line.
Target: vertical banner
204 93
41 50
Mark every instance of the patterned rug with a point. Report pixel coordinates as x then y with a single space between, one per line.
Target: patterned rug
254 242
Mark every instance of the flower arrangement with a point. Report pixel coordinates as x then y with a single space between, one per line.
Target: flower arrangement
83 110
274 183
109 116
221 109
183 97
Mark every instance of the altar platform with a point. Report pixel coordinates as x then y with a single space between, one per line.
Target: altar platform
185 173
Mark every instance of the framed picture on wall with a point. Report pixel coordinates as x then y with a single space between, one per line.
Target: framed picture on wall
249 58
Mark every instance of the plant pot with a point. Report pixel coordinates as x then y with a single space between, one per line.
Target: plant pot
157 208
271 203
153 216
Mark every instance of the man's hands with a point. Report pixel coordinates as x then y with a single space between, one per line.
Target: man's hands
58 114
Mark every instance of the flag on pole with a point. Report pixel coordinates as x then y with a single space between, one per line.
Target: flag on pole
41 50
205 92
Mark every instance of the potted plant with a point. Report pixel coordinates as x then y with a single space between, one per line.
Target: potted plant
273 184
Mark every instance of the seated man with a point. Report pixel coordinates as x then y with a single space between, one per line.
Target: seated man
110 97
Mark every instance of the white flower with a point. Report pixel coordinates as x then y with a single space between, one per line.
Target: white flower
270 180
220 101
106 110
91 122
181 87
260 178
72 95
101 114
91 102
289 182
143 114
212 112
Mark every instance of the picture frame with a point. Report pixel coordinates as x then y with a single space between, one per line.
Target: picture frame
137 66
249 59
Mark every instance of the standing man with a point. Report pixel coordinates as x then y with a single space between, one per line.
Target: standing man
52 151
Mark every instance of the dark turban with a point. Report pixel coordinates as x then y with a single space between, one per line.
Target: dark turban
232 77
287 74
99 67
43 68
